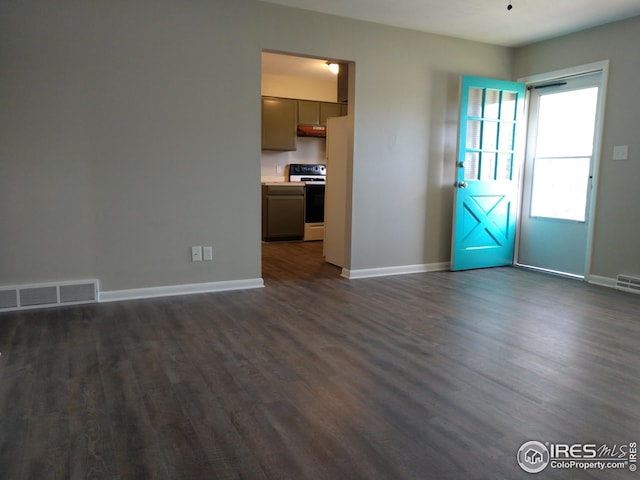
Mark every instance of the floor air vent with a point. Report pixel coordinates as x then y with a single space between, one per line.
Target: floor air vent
48 295
628 282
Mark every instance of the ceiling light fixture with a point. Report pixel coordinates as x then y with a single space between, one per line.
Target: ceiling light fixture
509 7
334 67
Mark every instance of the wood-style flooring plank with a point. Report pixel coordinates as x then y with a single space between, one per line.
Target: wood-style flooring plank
225 449
47 447
91 453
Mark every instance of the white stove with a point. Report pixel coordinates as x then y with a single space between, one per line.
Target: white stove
314 178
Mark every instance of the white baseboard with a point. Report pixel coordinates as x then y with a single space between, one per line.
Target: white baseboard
171 290
603 281
399 270
611 283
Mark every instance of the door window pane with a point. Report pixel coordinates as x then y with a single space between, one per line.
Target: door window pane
564 145
471 165
492 104
559 188
505 164
474 107
473 133
566 123
508 107
505 142
490 135
488 166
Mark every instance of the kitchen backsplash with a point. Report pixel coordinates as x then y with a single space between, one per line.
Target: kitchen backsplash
310 150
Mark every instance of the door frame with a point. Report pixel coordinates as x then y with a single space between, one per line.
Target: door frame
556 75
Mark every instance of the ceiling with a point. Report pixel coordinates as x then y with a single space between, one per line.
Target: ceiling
486 21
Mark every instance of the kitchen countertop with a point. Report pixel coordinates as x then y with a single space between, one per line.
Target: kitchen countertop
273 178
271 184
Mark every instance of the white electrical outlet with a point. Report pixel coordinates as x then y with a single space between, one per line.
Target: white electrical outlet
279 169
621 152
196 254
208 253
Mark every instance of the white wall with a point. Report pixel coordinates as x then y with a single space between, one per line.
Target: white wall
617 224
309 150
131 131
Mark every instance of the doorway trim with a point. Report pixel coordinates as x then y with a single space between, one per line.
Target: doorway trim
600 66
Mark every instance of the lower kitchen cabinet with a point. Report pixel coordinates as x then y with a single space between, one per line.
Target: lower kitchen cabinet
282 212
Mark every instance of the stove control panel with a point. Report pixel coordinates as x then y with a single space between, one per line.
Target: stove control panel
307 170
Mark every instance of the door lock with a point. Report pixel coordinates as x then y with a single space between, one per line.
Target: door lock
461 164
463 184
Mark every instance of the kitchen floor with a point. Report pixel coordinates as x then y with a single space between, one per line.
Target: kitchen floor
290 261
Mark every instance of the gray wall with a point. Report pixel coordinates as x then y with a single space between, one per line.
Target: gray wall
130 131
617 222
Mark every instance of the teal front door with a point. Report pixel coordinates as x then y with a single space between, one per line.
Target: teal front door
486 187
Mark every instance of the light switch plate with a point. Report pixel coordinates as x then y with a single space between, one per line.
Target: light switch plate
196 254
621 152
208 253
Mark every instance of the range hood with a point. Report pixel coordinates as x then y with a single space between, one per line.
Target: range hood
312 131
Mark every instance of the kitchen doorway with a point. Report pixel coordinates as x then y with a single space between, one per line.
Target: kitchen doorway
306 83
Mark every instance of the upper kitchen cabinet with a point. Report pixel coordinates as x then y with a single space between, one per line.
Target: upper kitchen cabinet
279 123
329 110
308 112
316 113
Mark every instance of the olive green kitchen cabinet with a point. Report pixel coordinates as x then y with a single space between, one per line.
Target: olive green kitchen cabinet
329 110
279 123
308 112
316 113
282 211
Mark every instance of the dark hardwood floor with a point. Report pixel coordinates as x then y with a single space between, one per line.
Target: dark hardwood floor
295 261
425 376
